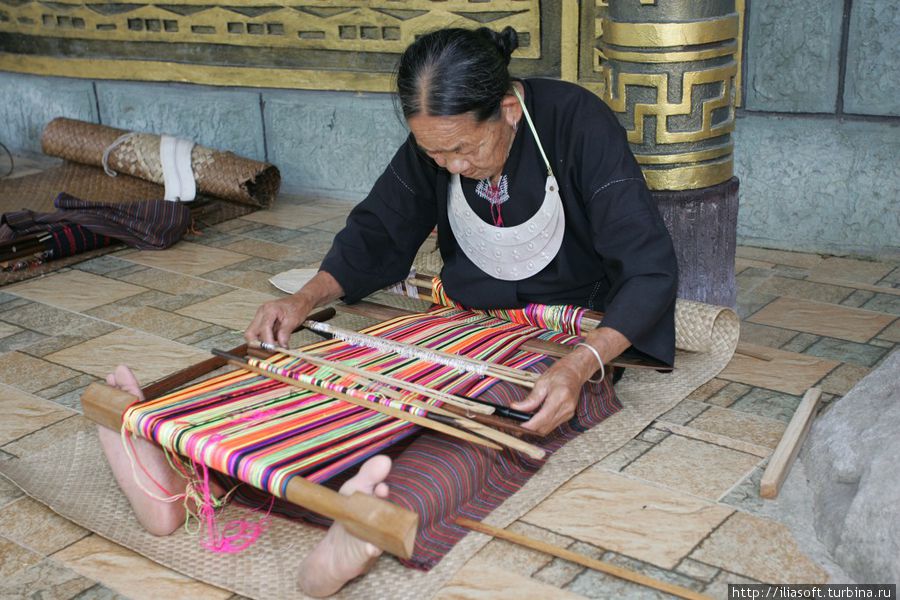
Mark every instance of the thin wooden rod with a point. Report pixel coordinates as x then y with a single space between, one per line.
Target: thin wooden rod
502 372
386 410
459 420
379 377
375 520
581 559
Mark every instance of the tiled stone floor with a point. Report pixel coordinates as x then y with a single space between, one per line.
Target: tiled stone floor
676 503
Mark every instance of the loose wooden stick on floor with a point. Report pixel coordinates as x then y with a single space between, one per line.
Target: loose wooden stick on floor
789 446
581 559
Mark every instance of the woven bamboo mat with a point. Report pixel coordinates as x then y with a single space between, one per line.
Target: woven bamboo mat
62 466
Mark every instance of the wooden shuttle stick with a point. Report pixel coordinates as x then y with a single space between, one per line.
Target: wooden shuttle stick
581 559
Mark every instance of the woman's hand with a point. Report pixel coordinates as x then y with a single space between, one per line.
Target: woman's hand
276 320
556 392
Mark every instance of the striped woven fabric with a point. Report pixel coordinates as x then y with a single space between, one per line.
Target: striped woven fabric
264 432
258 431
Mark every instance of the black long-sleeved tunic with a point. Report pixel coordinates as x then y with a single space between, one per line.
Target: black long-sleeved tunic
616 255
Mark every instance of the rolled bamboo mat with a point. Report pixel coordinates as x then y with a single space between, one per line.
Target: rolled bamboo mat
218 174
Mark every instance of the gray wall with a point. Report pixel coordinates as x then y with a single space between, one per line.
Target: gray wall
818 139
817 142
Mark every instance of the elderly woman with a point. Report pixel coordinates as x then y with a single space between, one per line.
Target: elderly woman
536 199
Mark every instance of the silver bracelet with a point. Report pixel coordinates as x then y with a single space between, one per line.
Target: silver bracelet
599 360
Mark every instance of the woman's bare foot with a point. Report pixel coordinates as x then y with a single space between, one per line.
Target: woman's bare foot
157 517
340 557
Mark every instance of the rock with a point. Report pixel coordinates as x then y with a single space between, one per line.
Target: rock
852 461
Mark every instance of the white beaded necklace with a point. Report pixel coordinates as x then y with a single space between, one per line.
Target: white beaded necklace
510 253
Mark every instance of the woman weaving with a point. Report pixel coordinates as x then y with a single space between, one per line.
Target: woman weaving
536 199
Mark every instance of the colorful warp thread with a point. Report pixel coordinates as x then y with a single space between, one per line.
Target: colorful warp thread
563 318
263 432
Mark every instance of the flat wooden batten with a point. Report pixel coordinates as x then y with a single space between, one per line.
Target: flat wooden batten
786 451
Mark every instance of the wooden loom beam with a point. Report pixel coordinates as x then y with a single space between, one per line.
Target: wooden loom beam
372 519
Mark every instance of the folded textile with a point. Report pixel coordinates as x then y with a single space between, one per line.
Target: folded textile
146 225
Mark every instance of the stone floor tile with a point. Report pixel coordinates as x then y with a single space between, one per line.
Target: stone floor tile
776 369
684 411
150 320
798 288
697 570
294 216
885 303
892 278
45 580
655 525
274 234
729 394
187 258
15 559
558 573
51 344
718 588
103 265
78 382
43 438
24 413
213 238
707 390
476 581
224 341
74 290
653 436
745 263
745 495
101 592
257 281
263 249
36 527
31 374
865 355
819 318
752 278
130 574
202 334
676 463
331 225
857 298
236 226
768 403
233 310
783 257
49 320
622 457
750 302
801 342
509 557
849 269
738 425
149 356
842 379
7 330
176 283
760 549
8 492
601 586
763 335
21 340
883 344
891 333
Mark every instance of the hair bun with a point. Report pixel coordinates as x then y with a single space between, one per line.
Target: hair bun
506 41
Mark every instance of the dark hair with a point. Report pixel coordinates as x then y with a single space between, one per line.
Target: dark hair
456 71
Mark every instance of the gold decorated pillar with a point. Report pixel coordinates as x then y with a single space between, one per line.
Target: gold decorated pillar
668 69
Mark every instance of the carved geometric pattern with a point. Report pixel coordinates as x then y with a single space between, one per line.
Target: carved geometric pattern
663 108
383 26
